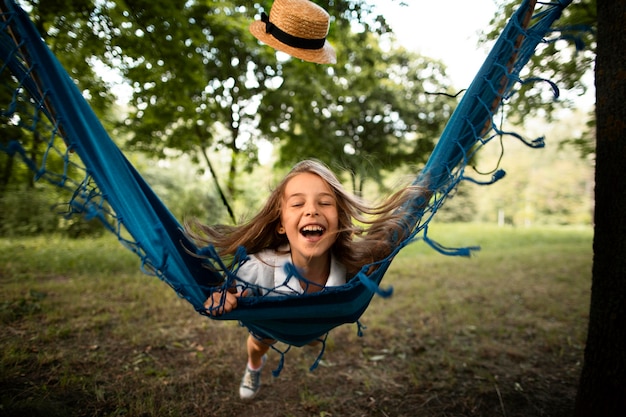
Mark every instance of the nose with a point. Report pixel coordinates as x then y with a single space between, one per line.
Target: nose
311 210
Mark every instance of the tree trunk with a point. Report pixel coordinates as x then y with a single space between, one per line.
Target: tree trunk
216 181
602 390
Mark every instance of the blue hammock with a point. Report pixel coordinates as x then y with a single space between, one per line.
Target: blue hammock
110 189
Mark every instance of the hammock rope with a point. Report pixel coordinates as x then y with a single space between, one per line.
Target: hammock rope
38 99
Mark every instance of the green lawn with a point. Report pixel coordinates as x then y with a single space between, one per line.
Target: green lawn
85 333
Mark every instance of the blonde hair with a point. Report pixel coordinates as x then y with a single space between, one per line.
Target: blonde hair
384 224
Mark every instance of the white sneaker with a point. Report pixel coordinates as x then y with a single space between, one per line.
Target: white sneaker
251 382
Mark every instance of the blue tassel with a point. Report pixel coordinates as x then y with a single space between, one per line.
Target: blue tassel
497 176
467 251
319 357
360 328
373 286
281 362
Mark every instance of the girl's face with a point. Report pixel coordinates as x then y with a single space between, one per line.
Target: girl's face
309 218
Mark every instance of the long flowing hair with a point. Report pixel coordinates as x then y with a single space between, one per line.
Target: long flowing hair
366 233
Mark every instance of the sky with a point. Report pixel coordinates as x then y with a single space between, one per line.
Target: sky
443 29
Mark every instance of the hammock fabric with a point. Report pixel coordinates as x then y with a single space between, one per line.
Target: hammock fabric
38 98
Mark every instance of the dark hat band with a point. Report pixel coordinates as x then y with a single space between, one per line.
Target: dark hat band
290 40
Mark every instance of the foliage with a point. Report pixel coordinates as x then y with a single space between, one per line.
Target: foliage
460 206
183 188
205 92
371 113
197 77
189 65
72 29
12 171
542 186
21 213
36 210
567 62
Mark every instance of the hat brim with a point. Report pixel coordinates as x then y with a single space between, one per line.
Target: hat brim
324 55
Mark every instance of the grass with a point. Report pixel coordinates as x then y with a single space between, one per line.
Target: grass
84 333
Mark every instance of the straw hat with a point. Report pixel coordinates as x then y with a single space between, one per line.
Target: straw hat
298 28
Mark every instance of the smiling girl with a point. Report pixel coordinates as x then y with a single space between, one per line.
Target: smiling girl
308 221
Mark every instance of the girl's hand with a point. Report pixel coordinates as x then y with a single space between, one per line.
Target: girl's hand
213 303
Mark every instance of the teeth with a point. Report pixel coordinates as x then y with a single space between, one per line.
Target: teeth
312 229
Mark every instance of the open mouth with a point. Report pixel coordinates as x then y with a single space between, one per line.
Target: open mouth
312 231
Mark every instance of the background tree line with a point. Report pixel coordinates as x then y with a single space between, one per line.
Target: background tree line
202 90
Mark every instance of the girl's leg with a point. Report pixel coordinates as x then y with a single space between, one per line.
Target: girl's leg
256 349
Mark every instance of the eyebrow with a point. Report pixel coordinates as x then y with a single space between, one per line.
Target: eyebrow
324 194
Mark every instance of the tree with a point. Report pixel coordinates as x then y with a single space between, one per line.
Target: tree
370 113
197 77
569 68
555 61
65 26
602 390
71 30
210 102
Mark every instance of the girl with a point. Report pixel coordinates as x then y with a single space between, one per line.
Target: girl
307 221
